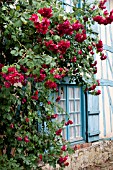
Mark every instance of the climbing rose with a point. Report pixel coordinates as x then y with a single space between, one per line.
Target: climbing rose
98 92
51 46
49 102
64 148
65 28
45 12
27 119
54 116
40 157
13 76
57 76
11 125
34 18
42 27
58 99
66 164
73 60
63 46
19 138
7 84
101 4
62 159
26 139
98 82
34 97
94 64
103 57
23 100
69 122
58 132
77 25
92 87
50 84
80 37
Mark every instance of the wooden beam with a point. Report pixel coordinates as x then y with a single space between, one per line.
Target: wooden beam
108 48
105 82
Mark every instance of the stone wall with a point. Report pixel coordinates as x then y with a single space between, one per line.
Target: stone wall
88 154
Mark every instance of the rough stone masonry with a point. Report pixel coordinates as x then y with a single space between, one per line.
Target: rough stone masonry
88 154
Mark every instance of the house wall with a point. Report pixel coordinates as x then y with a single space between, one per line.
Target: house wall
105 73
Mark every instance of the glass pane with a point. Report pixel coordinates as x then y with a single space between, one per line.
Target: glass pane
72 133
64 133
77 118
62 93
62 104
77 106
77 92
72 117
71 93
78 131
71 106
61 117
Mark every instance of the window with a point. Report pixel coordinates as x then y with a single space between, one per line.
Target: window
68 5
72 101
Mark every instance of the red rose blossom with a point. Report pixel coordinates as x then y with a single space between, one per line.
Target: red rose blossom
64 148
40 157
19 138
27 119
46 12
58 99
49 102
98 92
69 122
58 132
54 116
50 84
11 125
26 139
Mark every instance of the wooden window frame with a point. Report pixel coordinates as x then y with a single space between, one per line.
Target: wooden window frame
82 113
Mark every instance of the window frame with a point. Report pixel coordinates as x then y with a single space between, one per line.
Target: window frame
67 85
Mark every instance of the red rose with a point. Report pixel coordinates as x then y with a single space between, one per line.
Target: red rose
40 157
26 139
98 92
64 148
45 12
69 122
58 99
34 18
49 102
58 132
54 116
27 119
19 138
11 125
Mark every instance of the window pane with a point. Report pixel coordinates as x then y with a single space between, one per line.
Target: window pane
72 117
77 106
61 117
71 106
71 93
78 131
63 105
72 133
77 92
64 133
62 93
77 118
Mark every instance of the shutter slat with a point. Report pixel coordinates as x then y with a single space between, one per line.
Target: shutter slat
93 118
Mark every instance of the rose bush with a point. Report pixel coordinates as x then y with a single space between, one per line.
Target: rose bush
41 44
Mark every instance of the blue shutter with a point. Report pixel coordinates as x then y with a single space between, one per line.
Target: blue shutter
92 118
